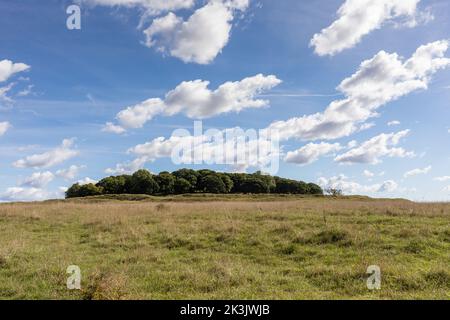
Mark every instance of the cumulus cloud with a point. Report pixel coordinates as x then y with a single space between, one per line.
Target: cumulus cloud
378 81
311 153
69 173
376 148
24 194
357 18
343 183
195 100
388 186
200 38
9 68
38 179
112 128
50 158
417 172
233 147
137 116
4 126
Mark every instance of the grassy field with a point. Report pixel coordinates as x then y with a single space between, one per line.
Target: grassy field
217 248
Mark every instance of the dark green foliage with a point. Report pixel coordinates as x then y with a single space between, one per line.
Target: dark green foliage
227 182
238 179
314 189
269 180
285 186
143 182
182 186
213 184
186 181
113 185
166 182
73 191
86 190
189 175
254 185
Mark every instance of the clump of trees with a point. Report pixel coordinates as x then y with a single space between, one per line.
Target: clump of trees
186 181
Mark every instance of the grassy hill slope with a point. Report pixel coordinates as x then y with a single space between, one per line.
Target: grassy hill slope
216 248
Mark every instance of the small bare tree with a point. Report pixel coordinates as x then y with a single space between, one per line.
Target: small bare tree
334 192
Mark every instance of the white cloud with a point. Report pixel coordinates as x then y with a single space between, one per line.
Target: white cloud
136 116
4 126
24 194
129 167
9 68
416 172
393 123
380 80
442 179
311 153
343 183
366 126
357 18
3 93
368 174
218 147
446 189
112 128
38 180
200 38
196 100
154 6
50 158
388 186
86 180
26 92
69 173
376 148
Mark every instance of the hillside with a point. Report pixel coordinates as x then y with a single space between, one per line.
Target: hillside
216 248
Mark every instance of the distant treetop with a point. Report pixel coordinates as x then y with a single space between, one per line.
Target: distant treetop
187 181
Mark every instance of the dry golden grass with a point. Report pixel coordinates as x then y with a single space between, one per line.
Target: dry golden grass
293 248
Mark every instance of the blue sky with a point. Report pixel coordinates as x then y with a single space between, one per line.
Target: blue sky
388 136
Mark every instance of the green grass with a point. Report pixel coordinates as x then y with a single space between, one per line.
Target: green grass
205 247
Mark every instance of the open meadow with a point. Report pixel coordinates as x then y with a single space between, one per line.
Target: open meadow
219 248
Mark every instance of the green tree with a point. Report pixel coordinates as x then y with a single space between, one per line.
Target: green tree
227 182
301 188
190 175
315 189
166 182
285 186
143 182
213 184
202 174
73 191
255 185
182 186
238 179
268 179
89 189
113 185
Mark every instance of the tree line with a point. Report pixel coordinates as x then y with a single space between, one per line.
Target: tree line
186 181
